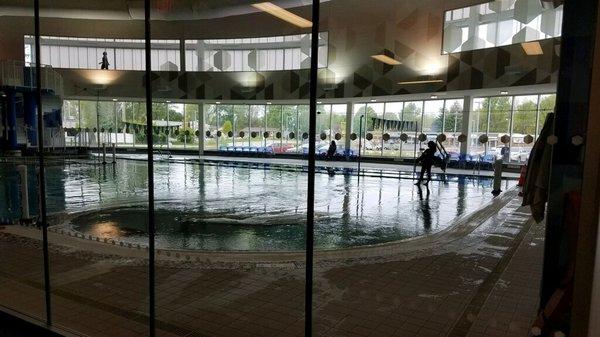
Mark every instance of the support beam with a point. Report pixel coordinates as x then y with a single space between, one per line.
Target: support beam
201 129
30 107
182 65
466 124
348 131
11 120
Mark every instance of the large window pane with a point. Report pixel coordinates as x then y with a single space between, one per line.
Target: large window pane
70 122
453 119
393 128
215 212
374 125
98 240
479 125
303 115
257 125
323 126
338 126
524 119
225 131
547 104
498 121
21 254
433 119
191 129
210 126
290 128
411 126
274 133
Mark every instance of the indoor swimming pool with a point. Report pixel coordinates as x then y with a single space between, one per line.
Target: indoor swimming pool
228 208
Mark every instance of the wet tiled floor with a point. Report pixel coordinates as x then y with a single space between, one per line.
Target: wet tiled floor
481 283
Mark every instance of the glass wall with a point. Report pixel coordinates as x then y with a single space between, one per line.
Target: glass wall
281 129
516 118
500 23
452 125
98 254
89 53
22 285
151 241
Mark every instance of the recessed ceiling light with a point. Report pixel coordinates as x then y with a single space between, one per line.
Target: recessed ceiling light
433 96
373 100
283 14
217 102
532 48
269 103
420 82
168 101
386 59
319 102
114 99
503 92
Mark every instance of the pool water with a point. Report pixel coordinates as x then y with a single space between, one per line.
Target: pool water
238 208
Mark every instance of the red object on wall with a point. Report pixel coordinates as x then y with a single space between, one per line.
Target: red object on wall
163 5
522 176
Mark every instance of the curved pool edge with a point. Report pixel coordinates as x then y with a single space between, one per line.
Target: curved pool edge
406 248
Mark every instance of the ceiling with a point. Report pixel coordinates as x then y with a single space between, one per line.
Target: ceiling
168 10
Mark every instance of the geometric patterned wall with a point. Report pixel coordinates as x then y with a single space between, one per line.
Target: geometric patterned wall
411 31
413 34
485 68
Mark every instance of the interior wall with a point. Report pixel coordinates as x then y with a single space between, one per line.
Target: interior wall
412 30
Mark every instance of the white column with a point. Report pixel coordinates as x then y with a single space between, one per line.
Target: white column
24 192
466 124
201 129
349 110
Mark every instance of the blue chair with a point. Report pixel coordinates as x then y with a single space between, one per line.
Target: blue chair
488 161
223 148
245 149
238 149
471 161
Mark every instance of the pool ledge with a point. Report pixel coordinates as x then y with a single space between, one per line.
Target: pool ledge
468 229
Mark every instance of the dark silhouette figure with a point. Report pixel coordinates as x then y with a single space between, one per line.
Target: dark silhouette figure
330 153
427 159
332 150
104 64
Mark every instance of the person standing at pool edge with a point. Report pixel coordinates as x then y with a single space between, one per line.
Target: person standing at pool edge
426 159
332 150
330 153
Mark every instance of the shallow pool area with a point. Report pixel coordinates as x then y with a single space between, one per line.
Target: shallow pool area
228 208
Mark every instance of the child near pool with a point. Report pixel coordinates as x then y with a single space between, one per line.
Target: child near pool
427 159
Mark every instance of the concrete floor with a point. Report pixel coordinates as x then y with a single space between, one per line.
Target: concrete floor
477 282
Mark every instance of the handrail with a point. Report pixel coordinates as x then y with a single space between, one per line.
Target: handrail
22 74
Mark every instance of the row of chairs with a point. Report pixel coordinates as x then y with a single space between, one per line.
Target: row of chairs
472 161
247 149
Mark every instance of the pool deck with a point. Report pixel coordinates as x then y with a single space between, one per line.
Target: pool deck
481 279
303 162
